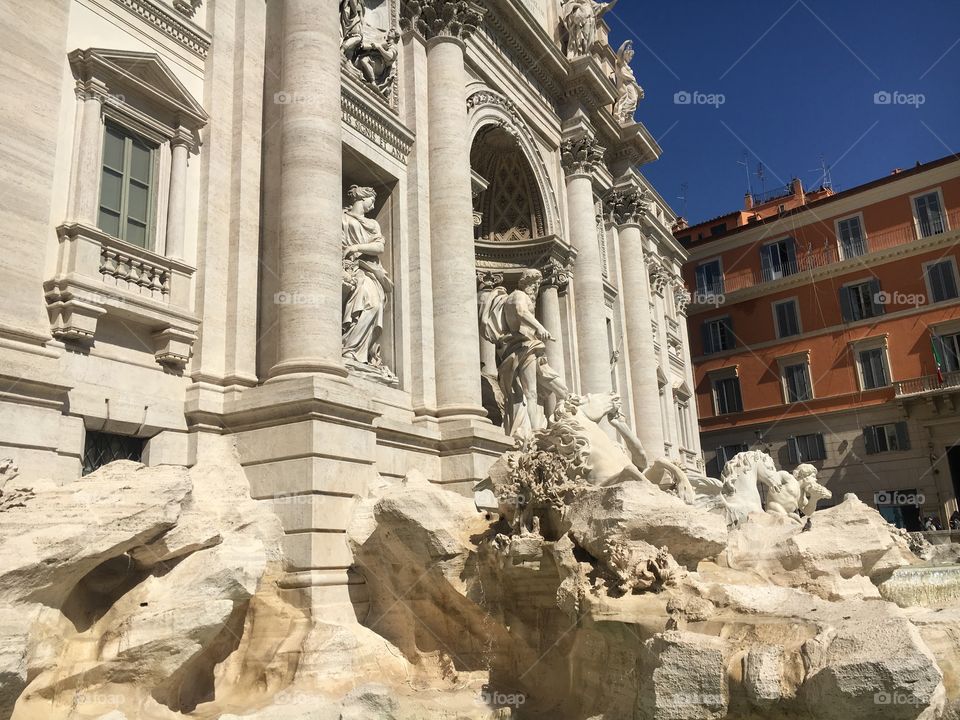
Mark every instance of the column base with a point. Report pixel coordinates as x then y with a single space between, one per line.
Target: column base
307 366
468 448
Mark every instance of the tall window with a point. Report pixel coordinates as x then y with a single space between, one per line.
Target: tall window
718 335
949 347
861 301
726 395
886 438
929 212
710 278
779 259
941 280
796 380
806 448
873 368
788 318
127 186
852 242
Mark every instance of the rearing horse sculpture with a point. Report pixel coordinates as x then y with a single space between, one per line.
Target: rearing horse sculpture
737 493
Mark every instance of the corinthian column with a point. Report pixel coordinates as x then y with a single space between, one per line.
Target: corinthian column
446 24
310 255
556 275
580 157
628 207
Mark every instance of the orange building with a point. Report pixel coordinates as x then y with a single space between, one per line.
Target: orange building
825 328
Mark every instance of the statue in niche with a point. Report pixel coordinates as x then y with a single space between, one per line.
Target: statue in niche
370 59
629 91
580 21
365 286
526 379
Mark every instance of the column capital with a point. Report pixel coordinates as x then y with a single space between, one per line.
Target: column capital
626 206
488 280
681 298
581 155
556 274
456 19
659 275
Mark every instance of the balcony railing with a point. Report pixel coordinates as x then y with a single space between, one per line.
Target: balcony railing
927 384
833 252
783 191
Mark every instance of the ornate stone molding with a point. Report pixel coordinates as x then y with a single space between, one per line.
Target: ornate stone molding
187 7
681 298
441 18
369 120
182 31
625 207
556 274
659 275
488 280
582 155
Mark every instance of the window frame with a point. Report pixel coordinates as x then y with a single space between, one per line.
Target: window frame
796 456
863 235
728 323
938 191
153 190
879 309
875 343
952 261
776 318
705 292
790 361
901 435
723 375
791 243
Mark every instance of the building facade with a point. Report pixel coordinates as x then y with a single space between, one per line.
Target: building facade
826 329
251 220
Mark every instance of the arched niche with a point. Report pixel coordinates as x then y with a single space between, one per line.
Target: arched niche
503 148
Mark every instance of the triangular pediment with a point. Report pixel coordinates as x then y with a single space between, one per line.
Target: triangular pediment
141 72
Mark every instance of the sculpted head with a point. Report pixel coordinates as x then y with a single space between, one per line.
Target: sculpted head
366 196
393 37
805 471
530 282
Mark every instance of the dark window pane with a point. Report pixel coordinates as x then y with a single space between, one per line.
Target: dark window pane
113 143
137 199
109 222
102 448
111 190
140 161
136 233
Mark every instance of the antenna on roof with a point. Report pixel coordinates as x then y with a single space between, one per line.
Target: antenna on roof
763 179
746 169
826 177
682 197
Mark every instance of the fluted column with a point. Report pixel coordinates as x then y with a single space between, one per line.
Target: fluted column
177 204
555 278
627 208
580 157
310 207
446 24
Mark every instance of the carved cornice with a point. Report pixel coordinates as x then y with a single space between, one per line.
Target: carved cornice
627 206
368 118
441 18
187 7
182 31
582 155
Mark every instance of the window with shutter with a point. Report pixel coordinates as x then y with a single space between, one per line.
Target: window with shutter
873 368
852 242
949 347
788 318
942 281
870 439
727 397
929 214
890 437
797 379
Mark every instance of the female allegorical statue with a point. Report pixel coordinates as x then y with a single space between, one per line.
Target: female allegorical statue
630 92
365 285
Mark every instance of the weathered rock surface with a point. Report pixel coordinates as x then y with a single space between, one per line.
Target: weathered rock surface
640 511
688 678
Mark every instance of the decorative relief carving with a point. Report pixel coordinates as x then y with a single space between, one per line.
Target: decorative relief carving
442 18
370 53
187 7
659 276
152 12
681 298
579 18
488 280
582 155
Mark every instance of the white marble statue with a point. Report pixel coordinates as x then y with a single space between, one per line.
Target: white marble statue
527 381
580 21
351 27
737 493
376 61
365 285
629 91
8 471
799 493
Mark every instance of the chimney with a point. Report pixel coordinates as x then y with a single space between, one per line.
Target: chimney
747 201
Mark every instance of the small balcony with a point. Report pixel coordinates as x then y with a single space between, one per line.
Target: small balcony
833 252
928 385
100 275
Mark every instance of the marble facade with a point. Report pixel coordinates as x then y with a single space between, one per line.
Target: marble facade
492 148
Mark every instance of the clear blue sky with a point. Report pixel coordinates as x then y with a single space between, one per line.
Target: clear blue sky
799 80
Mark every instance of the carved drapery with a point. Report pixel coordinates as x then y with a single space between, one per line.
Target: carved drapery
582 155
441 18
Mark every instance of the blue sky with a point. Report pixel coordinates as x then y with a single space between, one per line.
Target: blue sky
798 80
